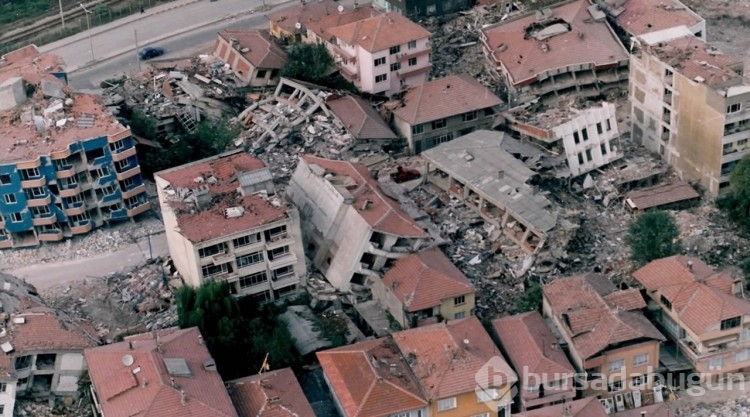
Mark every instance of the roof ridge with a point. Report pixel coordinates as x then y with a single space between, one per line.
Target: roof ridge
367 394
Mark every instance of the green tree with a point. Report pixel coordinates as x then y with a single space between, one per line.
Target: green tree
531 300
737 202
653 235
142 125
308 62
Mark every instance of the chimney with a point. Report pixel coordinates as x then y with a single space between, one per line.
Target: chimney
690 265
130 344
183 398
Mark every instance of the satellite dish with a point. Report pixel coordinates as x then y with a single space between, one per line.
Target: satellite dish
298 25
127 360
341 8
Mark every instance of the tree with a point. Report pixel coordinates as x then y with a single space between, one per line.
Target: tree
531 300
308 62
653 235
737 202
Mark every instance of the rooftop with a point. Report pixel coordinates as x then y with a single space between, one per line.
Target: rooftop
135 377
371 379
701 297
596 314
585 407
477 158
638 17
381 212
443 97
271 394
380 32
530 346
360 118
563 36
303 14
320 25
257 47
661 195
446 357
423 279
549 117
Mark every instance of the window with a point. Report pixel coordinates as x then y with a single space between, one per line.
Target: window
472 115
665 302
412 44
576 138
16 217
609 125
667 72
593 373
3 387
615 366
251 259
585 133
437 140
603 147
447 404
615 386
102 172
460 300
745 335
23 381
395 49
459 315
282 273
79 218
114 147
30 173
639 381
438 124
417 129
40 211
22 362
380 61
253 279
261 74
599 129
380 78
640 359
742 355
2 408
715 362
580 158
262 297
212 250
395 66
246 240
9 198
487 395
412 61
278 253
211 270
108 190
406 414
734 108
588 155
489 111
123 165
4 179
730 323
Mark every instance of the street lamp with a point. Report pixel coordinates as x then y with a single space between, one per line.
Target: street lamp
62 18
88 25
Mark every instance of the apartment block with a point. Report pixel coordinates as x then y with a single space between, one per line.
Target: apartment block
441 110
351 230
634 18
607 336
549 53
701 311
222 223
67 165
586 136
252 55
420 9
691 105
301 23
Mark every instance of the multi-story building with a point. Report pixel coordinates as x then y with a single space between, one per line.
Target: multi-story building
701 311
607 336
301 23
67 165
252 55
423 288
419 9
585 136
553 52
221 224
351 229
381 54
443 109
691 105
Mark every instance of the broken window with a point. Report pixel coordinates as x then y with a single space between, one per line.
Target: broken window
615 386
261 74
262 297
276 234
431 9
22 362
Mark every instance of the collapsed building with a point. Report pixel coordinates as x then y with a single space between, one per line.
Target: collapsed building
633 18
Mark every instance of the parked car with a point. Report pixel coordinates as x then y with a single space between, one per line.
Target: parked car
150 52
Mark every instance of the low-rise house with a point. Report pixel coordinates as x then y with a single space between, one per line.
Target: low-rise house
222 225
546 375
459 368
665 197
381 54
290 24
362 121
607 335
442 110
701 312
351 230
164 373
252 55
423 288
548 53
269 394
585 136
478 171
633 18
318 26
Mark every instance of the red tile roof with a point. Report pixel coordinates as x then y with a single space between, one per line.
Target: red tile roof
528 342
645 16
380 32
321 25
586 42
262 52
423 279
692 58
371 379
444 97
360 118
382 214
446 357
223 168
701 297
662 195
272 394
144 388
596 315
585 407
44 330
288 18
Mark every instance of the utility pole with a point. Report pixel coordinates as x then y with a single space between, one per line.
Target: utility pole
88 25
150 253
62 18
137 57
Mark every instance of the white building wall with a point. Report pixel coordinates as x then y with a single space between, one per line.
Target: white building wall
71 362
350 241
8 398
591 143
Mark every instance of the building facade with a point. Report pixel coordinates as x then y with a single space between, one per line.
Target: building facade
690 104
419 9
222 225
252 55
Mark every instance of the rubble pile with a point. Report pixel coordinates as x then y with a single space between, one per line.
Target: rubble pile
708 234
735 407
458 41
62 407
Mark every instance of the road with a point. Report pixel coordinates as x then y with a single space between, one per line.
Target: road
49 275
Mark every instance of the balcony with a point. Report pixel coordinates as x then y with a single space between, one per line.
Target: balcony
283 280
136 210
401 57
375 250
51 235
129 173
123 154
667 99
44 220
405 72
665 136
65 172
60 154
33 183
36 163
119 136
70 192
666 118
83 227
286 259
39 201
222 258
78 208
276 241
134 192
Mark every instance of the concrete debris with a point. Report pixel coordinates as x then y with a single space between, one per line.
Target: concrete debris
735 407
65 406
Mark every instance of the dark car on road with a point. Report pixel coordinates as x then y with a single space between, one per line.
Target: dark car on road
150 52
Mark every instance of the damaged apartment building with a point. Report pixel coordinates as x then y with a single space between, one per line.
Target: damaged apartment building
691 105
352 230
545 54
224 223
67 165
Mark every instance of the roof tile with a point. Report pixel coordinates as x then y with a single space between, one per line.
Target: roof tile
272 394
360 118
262 52
380 32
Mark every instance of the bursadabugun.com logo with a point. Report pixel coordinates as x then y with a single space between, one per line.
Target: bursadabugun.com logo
492 384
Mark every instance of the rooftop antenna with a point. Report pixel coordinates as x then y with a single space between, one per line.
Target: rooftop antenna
265 367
